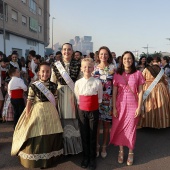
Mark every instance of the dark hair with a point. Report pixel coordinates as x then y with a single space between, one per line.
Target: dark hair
140 60
149 59
32 52
44 64
38 57
12 70
58 52
110 59
78 52
156 58
166 58
5 60
121 69
67 44
14 53
1 53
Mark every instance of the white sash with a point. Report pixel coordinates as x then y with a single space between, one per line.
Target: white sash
65 75
45 91
153 84
15 64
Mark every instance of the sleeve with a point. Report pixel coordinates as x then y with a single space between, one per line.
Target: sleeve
115 79
31 94
141 79
53 76
22 85
76 91
100 92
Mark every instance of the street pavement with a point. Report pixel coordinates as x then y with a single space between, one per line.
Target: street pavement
152 152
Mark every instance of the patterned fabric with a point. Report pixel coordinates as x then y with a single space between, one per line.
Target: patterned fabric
123 131
73 67
50 85
43 119
157 107
106 77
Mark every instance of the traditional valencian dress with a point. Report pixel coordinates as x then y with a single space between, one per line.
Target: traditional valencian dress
106 77
37 139
123 131
67 107
157 104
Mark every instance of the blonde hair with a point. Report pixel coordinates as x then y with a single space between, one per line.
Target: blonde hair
89 60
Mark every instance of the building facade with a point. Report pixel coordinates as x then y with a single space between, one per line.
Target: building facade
26 24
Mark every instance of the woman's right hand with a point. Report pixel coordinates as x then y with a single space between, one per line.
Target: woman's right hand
115 114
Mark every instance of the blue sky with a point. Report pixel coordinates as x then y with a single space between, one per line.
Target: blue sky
118 24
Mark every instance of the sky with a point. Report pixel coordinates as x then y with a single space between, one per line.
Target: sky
118 24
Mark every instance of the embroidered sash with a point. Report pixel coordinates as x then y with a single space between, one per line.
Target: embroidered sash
153 84
65 75
45 91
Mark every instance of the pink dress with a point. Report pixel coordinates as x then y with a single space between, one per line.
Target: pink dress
123 131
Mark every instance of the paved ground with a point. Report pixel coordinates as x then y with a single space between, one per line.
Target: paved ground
152 153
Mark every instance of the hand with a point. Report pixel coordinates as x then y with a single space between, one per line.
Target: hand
115 113
138 112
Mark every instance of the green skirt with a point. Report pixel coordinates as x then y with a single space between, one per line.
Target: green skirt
42 151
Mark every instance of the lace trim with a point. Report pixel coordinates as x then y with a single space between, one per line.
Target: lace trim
37 157
70 131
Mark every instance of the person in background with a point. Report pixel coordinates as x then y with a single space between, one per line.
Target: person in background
166 67
77 55
89 93
50 57
68 69
96 54
114 58
58 56
142 63
118 61
127 103
37 138
104 71
33 65
15 62
157 107
16 87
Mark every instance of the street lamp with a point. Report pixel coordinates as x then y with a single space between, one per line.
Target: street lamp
52 32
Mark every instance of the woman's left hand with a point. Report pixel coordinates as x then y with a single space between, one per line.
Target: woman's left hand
138 112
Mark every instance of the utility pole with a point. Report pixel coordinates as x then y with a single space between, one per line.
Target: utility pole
52 32
4 26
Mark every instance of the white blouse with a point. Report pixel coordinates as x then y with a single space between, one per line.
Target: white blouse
88 87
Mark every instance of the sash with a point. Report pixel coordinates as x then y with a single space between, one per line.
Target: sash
15 64
65 75
153 84
45 91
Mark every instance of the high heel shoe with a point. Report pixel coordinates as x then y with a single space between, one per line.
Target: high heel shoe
130 159
104 154
97 150
120 157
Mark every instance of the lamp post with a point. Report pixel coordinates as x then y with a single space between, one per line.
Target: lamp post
52 32
4 27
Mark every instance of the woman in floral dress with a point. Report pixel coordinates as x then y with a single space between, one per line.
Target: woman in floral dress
104 71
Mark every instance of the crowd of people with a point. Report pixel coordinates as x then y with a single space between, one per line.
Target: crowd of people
60 104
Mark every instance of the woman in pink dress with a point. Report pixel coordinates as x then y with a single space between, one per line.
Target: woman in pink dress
127 101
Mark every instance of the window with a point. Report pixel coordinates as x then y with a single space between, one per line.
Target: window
24 1
31 42
40 28
24 20
33 25
32 6
7 37
14 15
39 11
